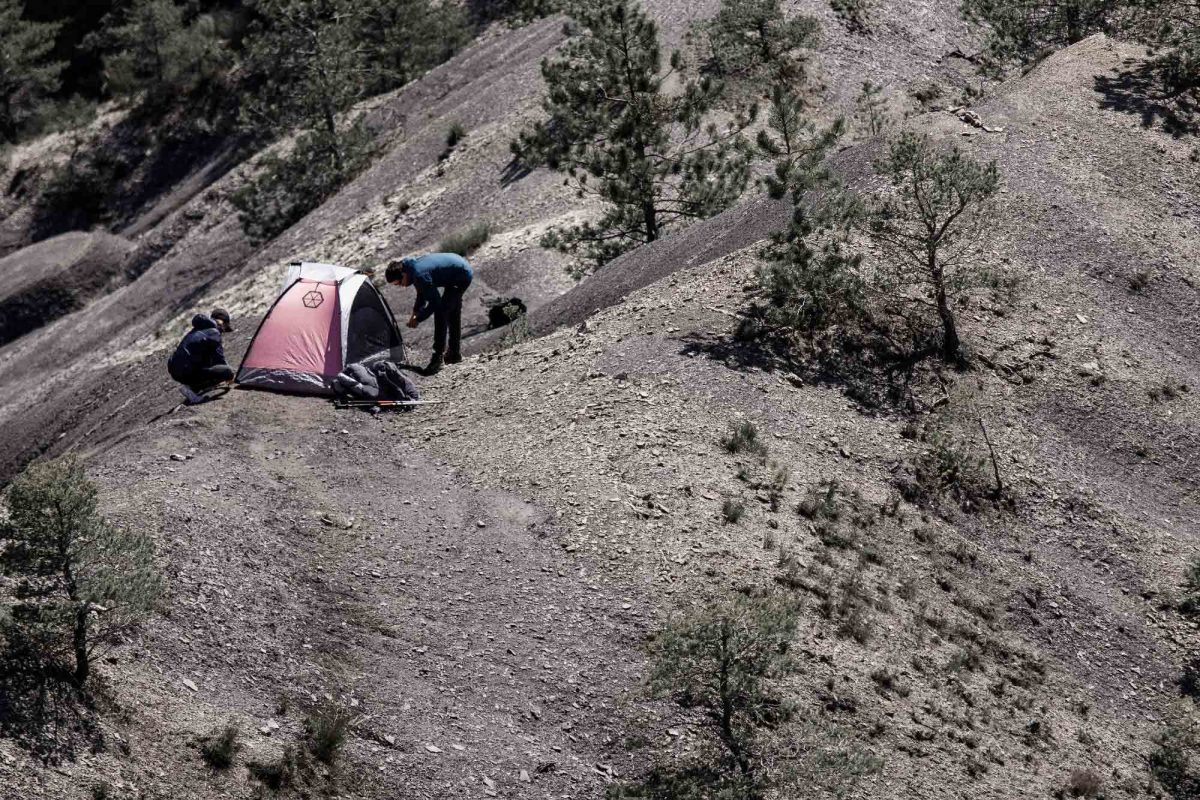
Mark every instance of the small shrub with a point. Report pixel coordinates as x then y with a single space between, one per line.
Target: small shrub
889 682
1191 586
1171 763
948 467
287 187
455 135
1139 281
1083 783
327 727
219 747
466 241
822 502
743 438
732 511
776 485
726 659
853 13
1189 680
517 332
967 658
102 791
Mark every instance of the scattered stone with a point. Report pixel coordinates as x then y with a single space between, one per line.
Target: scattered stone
433 748
191 685
525 777
178 457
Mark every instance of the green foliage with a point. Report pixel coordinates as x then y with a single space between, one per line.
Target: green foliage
812 281
28 76
289 186
1191 587
151 46
930 224
304 65
400 40
81 582
855 14
220 747
870 110
753 47
622 135
467 240
515 11
726 660
743 438
75 194
1025 31
1173 764
950 466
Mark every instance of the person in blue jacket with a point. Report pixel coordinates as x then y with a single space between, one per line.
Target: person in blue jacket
198 363
452 274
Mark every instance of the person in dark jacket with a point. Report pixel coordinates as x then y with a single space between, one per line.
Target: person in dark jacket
198 363
452 274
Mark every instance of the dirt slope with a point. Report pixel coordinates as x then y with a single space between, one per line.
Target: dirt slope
508 553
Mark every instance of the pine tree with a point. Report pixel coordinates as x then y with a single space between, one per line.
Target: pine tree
27 75
930 223
150 46
649 154
726 660
751 44
305 66
1024 31
81 581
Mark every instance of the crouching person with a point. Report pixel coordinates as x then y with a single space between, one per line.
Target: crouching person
198 363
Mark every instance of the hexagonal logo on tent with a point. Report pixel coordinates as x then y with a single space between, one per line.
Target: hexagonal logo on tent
313 299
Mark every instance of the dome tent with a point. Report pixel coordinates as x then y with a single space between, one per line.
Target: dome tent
325 318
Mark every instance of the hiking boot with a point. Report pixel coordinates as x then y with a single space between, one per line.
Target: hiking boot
435 365
190 397
453 357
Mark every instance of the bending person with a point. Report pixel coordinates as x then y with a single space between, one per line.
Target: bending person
198 363
452 274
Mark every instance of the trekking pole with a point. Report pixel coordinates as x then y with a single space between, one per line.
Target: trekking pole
388 403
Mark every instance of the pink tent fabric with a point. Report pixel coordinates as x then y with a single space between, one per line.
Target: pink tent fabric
305 336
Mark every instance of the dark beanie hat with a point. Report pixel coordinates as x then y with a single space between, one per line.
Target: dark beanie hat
222 315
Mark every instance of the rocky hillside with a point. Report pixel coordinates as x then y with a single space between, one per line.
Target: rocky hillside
478 580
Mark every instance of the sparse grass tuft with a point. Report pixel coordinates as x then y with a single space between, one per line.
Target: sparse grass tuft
220 747
327 726
732 511
455 135
467 240
743 438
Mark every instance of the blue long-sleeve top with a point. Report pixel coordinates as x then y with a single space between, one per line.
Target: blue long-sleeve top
430 272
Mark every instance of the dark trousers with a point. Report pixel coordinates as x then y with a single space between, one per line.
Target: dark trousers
448 319
205 378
